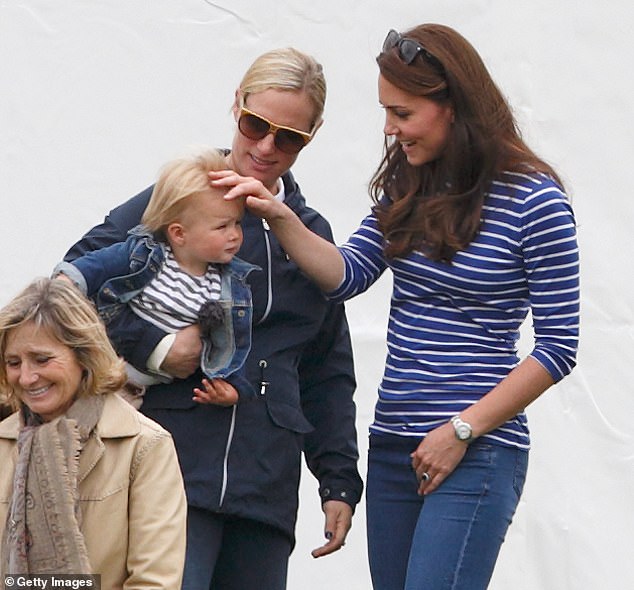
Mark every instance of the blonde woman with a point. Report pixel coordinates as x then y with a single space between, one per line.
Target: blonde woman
88 485
241 464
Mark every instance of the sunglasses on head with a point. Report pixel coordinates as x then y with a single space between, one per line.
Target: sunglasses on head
408 49
256 127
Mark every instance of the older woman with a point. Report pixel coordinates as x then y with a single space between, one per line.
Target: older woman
104 489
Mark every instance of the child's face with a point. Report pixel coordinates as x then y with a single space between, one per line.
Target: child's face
211 231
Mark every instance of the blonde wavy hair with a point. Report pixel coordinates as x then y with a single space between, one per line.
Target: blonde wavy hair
59 308
180 179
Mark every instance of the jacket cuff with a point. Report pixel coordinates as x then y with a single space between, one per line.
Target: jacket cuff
246 391
71 271
156 358
336 493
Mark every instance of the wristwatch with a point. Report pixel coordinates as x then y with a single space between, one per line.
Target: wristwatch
463 429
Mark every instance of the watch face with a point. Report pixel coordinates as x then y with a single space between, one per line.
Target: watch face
463 431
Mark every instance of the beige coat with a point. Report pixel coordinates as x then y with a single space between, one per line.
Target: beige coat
132 498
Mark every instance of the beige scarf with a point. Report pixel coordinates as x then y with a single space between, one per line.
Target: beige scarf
42 533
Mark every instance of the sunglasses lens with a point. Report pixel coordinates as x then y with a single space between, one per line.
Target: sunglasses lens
288 141
409 50
391 40
253 127
256 128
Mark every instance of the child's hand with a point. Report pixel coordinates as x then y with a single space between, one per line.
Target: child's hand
216 391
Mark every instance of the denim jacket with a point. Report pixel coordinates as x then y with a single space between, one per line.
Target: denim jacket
112 276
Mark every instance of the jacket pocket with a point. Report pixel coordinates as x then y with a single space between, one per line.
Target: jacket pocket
288 416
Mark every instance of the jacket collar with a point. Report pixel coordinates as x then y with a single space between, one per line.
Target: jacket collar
240 268
116 421
293 197
140 231
10 426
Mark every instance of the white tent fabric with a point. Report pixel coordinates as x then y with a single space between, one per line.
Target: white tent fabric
96 96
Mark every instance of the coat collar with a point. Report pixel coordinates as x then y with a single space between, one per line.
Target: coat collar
118 420
10 426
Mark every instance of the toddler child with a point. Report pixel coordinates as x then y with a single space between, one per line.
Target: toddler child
176 269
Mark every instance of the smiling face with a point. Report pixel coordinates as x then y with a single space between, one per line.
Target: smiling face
261 159
420 125
44 373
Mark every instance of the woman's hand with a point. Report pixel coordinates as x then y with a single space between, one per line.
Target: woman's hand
317 257
183 358
259 200
338 523
436 457
216 391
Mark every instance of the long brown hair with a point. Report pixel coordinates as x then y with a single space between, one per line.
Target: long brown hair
437 207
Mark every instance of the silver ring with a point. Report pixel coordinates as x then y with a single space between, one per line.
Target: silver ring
425 476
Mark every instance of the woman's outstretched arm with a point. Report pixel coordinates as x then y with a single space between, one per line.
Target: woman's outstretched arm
317 257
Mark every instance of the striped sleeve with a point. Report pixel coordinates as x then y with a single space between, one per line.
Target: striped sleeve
453 329
364 261
551 262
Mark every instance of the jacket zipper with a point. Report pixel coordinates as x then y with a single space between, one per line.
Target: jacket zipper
225 461
263 365
269 283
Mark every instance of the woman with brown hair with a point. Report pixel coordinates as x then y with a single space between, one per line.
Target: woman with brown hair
476 230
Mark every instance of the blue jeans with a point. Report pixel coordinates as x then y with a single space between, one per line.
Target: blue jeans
232 553
450 539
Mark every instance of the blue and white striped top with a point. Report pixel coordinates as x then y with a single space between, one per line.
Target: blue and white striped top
453 328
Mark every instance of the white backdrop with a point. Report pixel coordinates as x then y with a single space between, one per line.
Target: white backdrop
98 94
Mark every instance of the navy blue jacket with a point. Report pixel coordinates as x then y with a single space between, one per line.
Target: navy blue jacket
246 460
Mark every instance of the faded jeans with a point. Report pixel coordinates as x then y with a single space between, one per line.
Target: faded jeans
450 539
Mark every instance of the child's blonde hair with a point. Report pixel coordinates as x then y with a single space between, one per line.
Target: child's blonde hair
179 180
